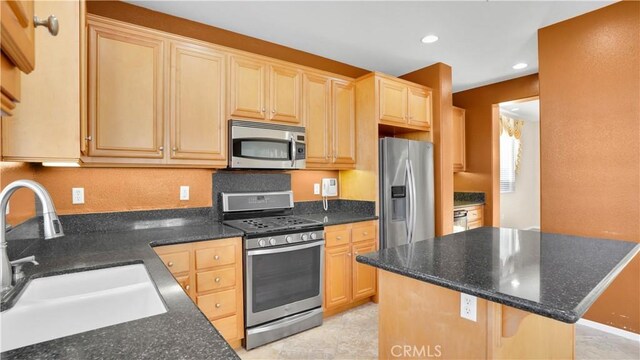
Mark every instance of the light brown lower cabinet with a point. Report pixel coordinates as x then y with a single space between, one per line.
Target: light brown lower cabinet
210 272
475 216
348 283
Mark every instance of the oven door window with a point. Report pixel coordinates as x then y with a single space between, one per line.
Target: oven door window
283 278
279 150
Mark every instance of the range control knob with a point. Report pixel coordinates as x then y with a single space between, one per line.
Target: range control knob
304 237
272 241
262 243
289 239
313 236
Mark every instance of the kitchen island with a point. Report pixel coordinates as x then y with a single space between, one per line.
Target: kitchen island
529 289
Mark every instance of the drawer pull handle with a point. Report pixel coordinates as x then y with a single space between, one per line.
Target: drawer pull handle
217 257
338 237
187 287
218 306
365 233
170 264
217 280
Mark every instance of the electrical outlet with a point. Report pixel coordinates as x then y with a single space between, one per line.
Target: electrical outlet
77 196
468 306
316 189
184 193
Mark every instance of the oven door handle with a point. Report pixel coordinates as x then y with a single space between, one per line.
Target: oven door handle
284 249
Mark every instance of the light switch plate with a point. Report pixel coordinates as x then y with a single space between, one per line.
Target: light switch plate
77 196
468 306
184 193
316 189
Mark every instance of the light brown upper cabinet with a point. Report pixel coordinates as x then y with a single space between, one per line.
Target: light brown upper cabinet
459 159
248 88
392 102
263 91
329 113
395 103
126 93
343 122
45 126
18 50
420 113
316 91
197 113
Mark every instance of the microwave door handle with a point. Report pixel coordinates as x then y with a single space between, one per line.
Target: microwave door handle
293 151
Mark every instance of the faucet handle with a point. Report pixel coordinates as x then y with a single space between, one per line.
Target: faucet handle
17 266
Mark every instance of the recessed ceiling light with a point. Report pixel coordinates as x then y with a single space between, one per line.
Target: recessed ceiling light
515 109
429 39
520 66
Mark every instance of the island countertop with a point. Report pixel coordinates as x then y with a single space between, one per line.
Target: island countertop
552 275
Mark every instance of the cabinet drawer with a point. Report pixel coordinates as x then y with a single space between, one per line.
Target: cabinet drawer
474 224
364 231
215 279
176 262
215 256
474 214
184 282
227 327
219 304
337 237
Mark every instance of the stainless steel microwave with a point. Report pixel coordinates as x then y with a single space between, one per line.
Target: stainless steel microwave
255 145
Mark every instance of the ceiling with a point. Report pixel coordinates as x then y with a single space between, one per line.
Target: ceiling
528 110
481 40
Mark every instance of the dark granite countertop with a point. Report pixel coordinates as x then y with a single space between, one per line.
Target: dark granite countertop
552 275
337 218
183 332
457 204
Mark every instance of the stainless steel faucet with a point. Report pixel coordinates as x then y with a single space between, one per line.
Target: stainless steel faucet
52 228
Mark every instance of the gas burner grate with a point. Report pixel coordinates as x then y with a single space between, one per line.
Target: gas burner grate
270 223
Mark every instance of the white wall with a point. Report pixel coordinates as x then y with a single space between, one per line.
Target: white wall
521 209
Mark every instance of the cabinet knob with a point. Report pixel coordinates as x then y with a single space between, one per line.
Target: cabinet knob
338 237
170 264
50 23
187 287
161 148
273 111
217 280
217 306
175 149
88 138
365 233
348 254
216 257
263 109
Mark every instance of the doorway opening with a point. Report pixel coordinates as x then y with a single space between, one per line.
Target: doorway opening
519 136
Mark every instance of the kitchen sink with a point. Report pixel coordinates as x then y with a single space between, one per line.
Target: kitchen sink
62 305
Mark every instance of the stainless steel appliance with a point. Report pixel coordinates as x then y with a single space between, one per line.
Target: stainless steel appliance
283 259
406 192
255 145
460 221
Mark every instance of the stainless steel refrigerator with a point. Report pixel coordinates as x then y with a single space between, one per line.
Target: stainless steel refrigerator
406 192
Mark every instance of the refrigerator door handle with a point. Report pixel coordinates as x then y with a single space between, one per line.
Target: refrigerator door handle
414 205
407 172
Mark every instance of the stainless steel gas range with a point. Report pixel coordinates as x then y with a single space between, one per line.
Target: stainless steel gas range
283 265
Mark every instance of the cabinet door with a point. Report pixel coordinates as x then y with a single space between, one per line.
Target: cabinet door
344 123
18 50
420 107
126 93
337 267
317 117
46 124
459 163
247 88
392 102
197 103
285 95
364 276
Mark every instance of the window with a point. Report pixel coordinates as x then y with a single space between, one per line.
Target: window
508 155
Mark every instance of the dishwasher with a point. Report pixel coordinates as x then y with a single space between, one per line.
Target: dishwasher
459 221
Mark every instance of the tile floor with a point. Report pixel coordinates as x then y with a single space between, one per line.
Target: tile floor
354 335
